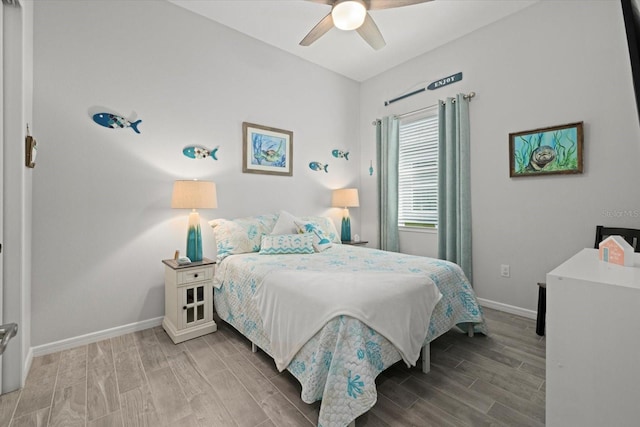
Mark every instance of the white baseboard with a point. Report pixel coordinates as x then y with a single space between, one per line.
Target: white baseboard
68 343
27 366
92 337
512 309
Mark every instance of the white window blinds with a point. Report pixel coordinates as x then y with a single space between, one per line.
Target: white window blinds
418 172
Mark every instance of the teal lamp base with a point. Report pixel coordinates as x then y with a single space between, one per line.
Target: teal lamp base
345 234
194 238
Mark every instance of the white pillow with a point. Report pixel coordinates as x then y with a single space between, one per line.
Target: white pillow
241 235
286 244
326 225
320 241
285 224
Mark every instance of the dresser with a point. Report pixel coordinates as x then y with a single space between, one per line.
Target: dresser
593 343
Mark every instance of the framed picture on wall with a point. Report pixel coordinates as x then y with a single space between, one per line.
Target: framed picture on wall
546 151
266 150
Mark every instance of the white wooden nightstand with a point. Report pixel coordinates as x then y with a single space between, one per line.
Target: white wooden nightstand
188 299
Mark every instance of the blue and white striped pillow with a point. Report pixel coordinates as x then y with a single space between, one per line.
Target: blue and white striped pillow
286 244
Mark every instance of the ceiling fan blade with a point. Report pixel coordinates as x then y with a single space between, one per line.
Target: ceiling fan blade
371 34
388 4
318 31
329 2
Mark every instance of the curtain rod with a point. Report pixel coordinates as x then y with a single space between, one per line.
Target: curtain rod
468 96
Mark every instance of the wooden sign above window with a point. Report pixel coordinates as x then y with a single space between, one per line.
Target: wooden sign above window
445 81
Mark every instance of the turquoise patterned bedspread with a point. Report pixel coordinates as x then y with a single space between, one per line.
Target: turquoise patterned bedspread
340 363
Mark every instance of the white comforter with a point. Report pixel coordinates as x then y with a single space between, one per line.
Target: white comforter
295 305
339 364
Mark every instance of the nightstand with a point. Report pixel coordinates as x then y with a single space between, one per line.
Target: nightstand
188 299
354 243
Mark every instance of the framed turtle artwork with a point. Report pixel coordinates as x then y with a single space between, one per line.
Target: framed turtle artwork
266 150
546 151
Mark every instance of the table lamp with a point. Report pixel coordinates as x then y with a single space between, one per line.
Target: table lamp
345 198
194 195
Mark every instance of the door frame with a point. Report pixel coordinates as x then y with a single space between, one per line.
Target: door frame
15 249
2 139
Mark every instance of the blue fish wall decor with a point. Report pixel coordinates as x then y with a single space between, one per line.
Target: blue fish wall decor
370 167
317 166
115 122
339 154
200 152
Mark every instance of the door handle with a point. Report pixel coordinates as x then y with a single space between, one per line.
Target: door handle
7 332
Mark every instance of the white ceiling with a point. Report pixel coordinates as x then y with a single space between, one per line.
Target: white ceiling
409 31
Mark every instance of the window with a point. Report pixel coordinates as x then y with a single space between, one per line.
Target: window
418 172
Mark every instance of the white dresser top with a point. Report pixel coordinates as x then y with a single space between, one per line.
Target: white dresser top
585 265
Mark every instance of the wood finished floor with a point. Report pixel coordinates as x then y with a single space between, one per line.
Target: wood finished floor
143 379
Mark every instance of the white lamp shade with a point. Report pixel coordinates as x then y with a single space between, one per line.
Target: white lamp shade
345 198
194 195
348 14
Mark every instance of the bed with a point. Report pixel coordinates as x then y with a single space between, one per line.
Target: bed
339 364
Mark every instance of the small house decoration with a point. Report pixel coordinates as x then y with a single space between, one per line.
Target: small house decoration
616 250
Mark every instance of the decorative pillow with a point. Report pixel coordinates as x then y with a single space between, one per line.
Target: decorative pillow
285 224
286 244
241 235
320 241
326 225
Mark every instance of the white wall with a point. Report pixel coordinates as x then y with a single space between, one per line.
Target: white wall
550 64
101 220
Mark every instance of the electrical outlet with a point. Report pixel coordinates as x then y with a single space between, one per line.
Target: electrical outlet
505 270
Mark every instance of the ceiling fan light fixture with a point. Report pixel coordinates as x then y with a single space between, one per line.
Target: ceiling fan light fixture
348 14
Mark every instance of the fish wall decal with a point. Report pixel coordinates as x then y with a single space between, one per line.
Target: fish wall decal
317 166
200 152
114 121
370 167
339 154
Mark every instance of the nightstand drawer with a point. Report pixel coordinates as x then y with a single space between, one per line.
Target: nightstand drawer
194 275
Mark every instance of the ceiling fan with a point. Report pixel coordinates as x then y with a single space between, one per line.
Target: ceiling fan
354 15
